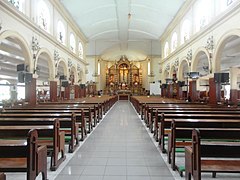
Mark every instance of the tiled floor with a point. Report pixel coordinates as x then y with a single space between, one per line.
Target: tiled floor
118 149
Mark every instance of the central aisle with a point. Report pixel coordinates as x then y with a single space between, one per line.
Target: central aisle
118 149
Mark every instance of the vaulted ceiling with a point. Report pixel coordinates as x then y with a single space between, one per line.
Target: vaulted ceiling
123 27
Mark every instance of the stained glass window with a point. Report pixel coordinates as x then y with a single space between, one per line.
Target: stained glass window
61 33
72 43
43 16
174 42
80 50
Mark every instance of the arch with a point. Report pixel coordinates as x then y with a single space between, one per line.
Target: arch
80 49
181 70
166 49
220 47
185 30
43 14
195 58
72 42
165 74
171 72
61 32
174 41
22 43
50 62
65 67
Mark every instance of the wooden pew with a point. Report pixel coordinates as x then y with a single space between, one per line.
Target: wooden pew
57 112
67 124
2 176
212 157
91 113
181 134
166 119
105 102
49 135
22 155
62 115
155 114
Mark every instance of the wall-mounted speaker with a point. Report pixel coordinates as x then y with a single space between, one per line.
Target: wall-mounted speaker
65 83
21 77
62 77
28 77
21 67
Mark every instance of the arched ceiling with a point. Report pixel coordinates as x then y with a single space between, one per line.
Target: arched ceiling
123 26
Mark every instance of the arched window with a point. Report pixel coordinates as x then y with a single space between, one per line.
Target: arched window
43 16
166 50
203 13
72 43
174 42
61 33
185 31
18 4
80 50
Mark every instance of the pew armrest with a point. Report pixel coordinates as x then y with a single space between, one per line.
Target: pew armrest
188 162
42 161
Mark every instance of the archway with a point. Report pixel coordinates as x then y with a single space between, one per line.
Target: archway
14 50
226 60
43 69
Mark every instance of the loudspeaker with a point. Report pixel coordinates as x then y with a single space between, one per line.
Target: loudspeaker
64 83
28 77
21 77
82 86
217 77
225 77
181 83
62 77
21 67
194 75
221 77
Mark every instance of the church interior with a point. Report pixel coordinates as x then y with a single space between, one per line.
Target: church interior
120 71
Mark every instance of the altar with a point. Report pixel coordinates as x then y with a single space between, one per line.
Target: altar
123 94
124 78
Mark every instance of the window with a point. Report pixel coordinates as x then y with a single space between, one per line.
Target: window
72 43
61 33
149 67
43 16
99 68
174 42
202 14
166 50
80 50
18 4
185 32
